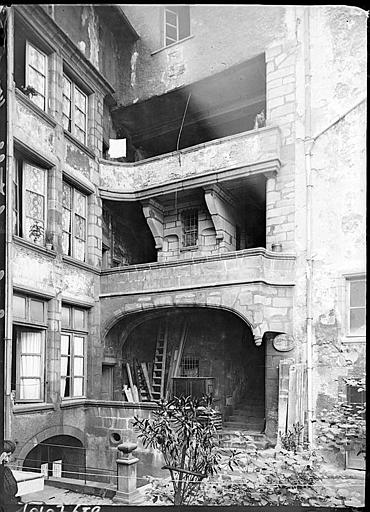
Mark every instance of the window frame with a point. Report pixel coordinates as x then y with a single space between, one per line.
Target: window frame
69 330
350 279
186 231
73 107
26 323
182 23
19 198
72 211
46 76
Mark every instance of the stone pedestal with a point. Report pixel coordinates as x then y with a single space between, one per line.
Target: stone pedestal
126 473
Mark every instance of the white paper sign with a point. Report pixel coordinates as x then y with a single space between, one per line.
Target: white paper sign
117 148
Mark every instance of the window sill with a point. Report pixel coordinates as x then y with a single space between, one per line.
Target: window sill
68 135
355 339
80 264
37 110
171 45
189 248
34 407
72 402
36 247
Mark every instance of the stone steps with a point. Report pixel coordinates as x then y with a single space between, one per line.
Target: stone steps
231 438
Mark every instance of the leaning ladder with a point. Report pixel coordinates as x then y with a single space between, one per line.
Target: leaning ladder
160 361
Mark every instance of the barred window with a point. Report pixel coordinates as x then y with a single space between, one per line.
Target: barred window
189 366
190 228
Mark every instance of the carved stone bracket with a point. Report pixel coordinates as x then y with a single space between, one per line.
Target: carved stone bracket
153 213
220 207
257 335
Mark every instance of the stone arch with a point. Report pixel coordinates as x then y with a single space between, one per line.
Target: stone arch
56 430
153 311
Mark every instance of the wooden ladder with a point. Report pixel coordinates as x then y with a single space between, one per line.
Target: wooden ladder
160 361
143 387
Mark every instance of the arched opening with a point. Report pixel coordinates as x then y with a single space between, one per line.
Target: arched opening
59 456
192 351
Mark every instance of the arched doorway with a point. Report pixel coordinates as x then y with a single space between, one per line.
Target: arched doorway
61 456
193 350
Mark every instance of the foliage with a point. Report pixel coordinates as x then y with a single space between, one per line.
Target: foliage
183 430
291 440
265 478
343 427
29 90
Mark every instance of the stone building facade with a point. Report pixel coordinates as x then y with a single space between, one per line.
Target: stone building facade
237 214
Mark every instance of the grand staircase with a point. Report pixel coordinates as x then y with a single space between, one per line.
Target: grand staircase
245 424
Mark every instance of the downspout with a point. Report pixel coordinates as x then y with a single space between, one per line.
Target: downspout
9 227
309 260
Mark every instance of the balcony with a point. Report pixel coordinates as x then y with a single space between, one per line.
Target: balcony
233 268
228 158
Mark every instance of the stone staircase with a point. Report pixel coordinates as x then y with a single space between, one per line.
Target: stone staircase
245 425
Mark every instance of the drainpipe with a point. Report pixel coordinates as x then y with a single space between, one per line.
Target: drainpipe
9 217
309 259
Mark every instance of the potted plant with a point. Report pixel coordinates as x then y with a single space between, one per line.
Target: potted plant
36 232
49 239
29 91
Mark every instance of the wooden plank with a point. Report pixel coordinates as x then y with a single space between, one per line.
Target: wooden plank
170 374
131 382
135 394
128 393
147 380
181 348
164 359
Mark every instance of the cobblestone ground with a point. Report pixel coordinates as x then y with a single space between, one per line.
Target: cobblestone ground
55 496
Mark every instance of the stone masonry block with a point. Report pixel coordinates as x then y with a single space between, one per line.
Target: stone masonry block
281 302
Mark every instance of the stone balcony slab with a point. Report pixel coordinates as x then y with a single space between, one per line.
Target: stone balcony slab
234 268
240 155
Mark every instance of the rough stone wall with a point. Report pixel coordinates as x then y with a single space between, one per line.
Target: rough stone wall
338 67
221 36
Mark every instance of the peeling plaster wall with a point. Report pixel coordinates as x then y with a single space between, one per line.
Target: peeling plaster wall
337 40
220 36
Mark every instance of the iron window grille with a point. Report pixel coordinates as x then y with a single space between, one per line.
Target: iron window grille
190 228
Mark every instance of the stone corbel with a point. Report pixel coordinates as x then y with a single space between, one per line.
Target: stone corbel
153 213
257 335
220 207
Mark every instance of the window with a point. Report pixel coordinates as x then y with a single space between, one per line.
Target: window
356 300
36 75
189 366
73 341
190 228
29 200
74 110
74 222
28 348
176 23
